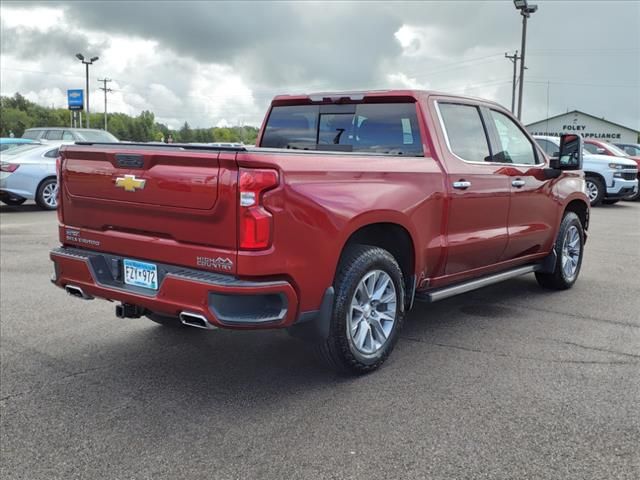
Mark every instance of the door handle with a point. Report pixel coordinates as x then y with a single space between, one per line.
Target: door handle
461 184
518 183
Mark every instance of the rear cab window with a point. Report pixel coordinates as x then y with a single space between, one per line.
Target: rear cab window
465 132
388 128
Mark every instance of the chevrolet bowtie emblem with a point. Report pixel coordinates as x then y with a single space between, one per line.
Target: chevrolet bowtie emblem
130 183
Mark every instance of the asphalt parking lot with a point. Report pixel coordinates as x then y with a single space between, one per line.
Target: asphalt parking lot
506 382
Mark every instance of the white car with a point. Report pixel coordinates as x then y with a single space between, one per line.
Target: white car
28 172
608 179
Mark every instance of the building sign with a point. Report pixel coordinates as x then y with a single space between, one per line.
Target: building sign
75 99
586 125
583 132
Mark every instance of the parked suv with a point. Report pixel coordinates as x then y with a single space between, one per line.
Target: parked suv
608 179
353 206
69 134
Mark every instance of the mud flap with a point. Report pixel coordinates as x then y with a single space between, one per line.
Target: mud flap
315 326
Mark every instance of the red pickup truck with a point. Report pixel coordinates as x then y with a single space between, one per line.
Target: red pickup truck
352 206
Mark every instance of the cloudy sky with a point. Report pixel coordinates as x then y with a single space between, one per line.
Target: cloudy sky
219 63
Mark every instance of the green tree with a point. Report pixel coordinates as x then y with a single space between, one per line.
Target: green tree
186 134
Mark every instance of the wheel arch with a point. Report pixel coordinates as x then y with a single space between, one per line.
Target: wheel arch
581 209
48 177
397 240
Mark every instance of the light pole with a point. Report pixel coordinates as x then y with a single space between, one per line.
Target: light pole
80 57
525 10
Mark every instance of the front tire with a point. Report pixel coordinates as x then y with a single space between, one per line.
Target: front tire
569 249
368 311
595 190
47 194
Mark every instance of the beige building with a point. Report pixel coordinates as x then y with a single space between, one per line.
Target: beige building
586 125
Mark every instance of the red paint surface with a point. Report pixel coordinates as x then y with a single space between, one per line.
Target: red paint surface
189 208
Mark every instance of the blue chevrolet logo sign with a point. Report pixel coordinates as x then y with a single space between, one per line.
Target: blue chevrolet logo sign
75 99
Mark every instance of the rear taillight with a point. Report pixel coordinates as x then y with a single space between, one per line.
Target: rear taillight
8 167
255 222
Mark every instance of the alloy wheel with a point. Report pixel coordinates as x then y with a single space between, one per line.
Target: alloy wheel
372 313
571 251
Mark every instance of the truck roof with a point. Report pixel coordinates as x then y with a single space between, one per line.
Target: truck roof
359 95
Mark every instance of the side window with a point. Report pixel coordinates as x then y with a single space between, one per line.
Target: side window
514 146
549 148
32 134
67 135
465 132
629 150
591 148
52 153
53 135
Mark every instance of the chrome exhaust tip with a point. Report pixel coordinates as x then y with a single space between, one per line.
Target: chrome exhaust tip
77 292
196 320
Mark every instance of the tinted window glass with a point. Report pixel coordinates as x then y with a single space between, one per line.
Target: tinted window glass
549 148
292 127
465 132
95 136
591 148
54 135
380 128
67 136
52 153
387 128
516 147
32 134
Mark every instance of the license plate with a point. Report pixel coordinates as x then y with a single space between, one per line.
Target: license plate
140 274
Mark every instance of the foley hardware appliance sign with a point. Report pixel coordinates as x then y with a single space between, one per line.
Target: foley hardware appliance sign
75 99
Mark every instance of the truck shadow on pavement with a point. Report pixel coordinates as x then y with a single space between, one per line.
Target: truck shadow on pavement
223 368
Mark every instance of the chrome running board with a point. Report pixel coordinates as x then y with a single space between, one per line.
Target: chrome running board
453 290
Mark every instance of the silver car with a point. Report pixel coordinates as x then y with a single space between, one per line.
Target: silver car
28 172
69 134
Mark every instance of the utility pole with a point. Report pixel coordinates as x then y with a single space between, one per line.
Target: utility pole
105 90
513 59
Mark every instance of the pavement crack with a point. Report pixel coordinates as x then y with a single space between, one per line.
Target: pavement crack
595 349
526 357
82 372
572 315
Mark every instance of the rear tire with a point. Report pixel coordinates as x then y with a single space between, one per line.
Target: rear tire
368 311
569 249
46 196
165 321
595 190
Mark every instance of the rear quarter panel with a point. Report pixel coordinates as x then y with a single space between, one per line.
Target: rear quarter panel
324 198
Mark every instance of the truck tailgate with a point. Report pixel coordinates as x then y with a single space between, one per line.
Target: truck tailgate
188 196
